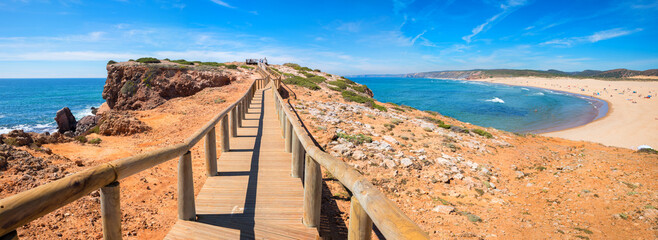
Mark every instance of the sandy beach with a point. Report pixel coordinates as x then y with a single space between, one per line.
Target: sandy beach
632 118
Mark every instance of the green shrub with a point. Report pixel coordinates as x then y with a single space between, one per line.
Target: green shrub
306 74
316 70
482 133
212 64
111 62
129 88
131 60
232 66
337 89
95 129
182 61
359 88
356 139
95 141
293 65
647 150
399 109
81 139
433 113
353 97
348 81
246 67
339 84
317 79
446 126
379 107
274 69
302 82
432 120
219 100
148 60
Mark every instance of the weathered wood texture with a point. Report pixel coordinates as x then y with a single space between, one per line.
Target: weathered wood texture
253 196
360 224
211 153
111 211
186 208
312 193
388 218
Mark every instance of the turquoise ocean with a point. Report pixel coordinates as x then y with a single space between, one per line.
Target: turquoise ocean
505 107
31 104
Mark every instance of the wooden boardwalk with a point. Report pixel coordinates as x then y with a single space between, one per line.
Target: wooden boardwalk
254 195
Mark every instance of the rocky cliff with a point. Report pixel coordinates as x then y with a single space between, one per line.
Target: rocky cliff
134 86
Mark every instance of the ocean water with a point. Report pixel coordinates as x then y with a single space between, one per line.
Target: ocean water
31 104
509 108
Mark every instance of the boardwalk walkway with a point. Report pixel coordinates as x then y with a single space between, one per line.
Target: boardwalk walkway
253 196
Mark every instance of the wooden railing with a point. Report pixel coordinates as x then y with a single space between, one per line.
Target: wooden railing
368 204
24 207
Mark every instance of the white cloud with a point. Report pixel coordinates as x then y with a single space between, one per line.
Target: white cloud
222 3
413 41
508 8
596 37
612 33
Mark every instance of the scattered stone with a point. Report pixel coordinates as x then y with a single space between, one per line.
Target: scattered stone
406 162
519 174
443 209
358 155
120 123
391 140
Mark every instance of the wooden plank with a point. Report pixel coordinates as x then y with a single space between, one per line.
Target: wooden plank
253 196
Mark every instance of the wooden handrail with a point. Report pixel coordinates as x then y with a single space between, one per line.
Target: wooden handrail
22 208
389 219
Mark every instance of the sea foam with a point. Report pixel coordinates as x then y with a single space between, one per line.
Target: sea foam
496 100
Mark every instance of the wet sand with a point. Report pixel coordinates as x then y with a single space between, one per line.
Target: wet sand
632 119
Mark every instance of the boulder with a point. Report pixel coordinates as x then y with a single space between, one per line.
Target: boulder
65 120
358 155
86 123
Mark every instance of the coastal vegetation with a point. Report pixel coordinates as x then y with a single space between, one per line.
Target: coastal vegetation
111 62
148 60
354 97
615 74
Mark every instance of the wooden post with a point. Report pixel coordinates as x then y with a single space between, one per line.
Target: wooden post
111 211
186 208
13 235
298 153
234 121
226 146
240 110
360 223
211 153
289 134
284 125
312 193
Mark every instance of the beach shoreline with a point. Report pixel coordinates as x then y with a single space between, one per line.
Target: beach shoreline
628 123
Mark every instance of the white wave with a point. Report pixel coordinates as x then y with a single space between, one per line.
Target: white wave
82 113
536 94
38 128
496 100
525 89
2 116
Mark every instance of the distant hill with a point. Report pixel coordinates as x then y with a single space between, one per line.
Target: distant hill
615 74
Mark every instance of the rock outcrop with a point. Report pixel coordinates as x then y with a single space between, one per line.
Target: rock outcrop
143 87
86 123
65 120
120 123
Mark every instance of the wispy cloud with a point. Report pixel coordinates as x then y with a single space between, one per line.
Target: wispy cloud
596 37
349 27
222 3
508 8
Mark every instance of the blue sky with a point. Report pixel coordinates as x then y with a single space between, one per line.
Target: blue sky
75 38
